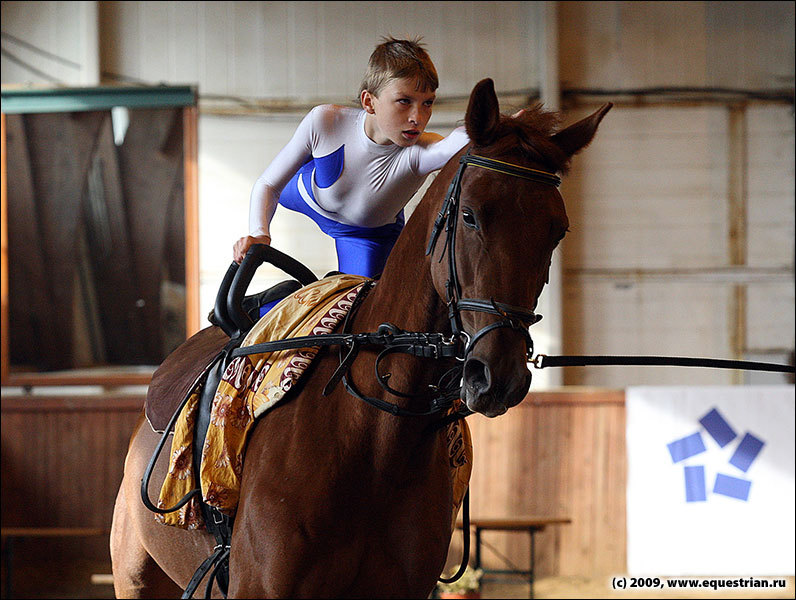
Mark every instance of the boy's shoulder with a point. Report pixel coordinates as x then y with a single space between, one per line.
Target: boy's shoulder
427 138
332 114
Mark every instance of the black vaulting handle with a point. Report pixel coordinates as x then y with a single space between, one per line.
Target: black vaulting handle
256 256
220 308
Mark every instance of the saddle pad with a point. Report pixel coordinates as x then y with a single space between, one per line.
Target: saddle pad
249 387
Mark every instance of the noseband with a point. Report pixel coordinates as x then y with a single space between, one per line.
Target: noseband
511 317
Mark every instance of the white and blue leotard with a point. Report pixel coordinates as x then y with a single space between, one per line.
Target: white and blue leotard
353 188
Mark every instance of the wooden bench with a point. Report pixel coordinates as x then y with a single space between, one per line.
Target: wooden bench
11 535
530 525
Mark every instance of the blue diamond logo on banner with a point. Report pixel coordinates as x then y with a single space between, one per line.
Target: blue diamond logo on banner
746 452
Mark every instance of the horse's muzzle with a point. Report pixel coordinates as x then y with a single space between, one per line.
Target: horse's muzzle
489 395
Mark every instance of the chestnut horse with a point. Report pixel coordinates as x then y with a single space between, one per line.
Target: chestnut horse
339 499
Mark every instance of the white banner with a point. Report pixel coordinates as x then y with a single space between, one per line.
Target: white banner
710 486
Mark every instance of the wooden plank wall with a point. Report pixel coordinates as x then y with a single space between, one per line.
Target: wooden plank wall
557 454
265 49
681 212
63 458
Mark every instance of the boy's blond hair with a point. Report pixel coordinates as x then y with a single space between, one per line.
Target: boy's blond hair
399 59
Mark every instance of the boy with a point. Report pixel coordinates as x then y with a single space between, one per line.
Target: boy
352 171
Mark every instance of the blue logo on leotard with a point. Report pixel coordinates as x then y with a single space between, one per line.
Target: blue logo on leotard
329 168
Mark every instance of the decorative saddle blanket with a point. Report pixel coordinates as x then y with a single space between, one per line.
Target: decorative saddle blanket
253 384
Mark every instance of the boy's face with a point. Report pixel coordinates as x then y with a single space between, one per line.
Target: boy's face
399 114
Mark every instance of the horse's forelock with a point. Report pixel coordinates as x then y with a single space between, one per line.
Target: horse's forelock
530 133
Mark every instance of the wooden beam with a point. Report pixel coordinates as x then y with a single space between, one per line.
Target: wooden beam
738 198
74 403
105 378
191 172
551 301
4 347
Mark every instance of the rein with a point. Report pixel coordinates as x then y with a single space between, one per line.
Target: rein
542 361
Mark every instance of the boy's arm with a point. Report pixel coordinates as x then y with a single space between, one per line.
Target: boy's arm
435 150
438 150
266 190
262 206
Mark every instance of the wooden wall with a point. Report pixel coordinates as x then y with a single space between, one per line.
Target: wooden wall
557 454
677 245
681 210
63 458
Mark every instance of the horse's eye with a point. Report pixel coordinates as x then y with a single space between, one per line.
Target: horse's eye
468 218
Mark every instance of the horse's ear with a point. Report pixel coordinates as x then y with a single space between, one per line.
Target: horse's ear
578 135
483 113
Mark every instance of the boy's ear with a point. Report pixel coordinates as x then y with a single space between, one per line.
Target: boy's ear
366 99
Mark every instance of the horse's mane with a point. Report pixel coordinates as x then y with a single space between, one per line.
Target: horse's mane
530 133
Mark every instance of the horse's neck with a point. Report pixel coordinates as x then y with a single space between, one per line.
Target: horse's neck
405 297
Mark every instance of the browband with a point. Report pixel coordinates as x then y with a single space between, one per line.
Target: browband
510 169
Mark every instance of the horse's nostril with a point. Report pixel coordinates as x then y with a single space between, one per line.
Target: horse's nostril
476 375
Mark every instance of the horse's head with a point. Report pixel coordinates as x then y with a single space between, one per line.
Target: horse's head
499 235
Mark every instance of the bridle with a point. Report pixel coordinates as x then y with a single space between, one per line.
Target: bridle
520 319
511 317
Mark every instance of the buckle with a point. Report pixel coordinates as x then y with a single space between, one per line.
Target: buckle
466 339
538 361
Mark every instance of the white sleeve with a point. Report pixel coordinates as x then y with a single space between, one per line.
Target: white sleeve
266 190
435 155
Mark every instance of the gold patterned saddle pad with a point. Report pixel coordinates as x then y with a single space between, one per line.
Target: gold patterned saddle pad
249 387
